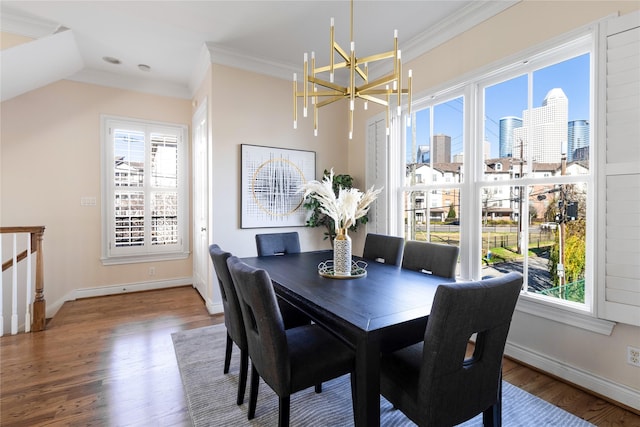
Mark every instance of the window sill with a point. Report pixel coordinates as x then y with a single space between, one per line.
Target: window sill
564 314
133 259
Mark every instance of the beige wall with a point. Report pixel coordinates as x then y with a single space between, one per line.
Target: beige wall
50 145
247 108
576 353
8 40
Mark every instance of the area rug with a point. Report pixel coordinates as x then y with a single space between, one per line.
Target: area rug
211 395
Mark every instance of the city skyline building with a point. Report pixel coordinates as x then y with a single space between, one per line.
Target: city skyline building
506 127
544 130
441 148
577 140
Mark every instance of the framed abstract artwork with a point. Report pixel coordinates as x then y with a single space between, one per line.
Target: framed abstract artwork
271 180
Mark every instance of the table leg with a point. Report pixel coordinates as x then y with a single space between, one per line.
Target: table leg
367 404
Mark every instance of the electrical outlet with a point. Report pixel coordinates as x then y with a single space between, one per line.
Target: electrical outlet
152 271
633 356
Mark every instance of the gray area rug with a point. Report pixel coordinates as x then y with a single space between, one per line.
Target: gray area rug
211 395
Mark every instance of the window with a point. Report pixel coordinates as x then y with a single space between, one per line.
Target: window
519 186
145 188
434 148
530 117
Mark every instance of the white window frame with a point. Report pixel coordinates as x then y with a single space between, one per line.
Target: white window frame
578 315
146 252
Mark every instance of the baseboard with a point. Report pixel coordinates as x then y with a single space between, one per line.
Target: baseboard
214 308
623 394
52 308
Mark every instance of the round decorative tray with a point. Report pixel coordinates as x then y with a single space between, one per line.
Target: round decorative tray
358 269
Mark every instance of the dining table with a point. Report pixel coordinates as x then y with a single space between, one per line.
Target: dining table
384 308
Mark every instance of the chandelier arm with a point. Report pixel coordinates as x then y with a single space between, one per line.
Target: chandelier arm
329 101
381 92
376 57
324 83
331 47
361 73
323 93
328 67
379 82
341 52
399 82
306 74
374 99
295 101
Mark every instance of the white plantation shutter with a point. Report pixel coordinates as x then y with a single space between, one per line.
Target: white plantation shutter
145 191
619 215
377 170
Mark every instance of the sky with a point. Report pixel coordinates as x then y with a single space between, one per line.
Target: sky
509 98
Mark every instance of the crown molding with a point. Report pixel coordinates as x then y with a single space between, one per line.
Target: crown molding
219 55
21 24
472 15
136 84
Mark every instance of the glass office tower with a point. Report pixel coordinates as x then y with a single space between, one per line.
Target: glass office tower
507 125
578 140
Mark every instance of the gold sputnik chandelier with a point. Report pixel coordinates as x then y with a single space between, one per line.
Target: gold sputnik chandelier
380 91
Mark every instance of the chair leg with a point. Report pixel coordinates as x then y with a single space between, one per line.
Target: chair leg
319 388
242 384
227 354
492 416
283 417
353 395
253 393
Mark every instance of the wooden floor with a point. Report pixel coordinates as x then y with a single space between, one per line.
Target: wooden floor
109 361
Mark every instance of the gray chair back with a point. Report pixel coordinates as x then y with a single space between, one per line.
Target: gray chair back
434 258
230 302
287 360
266 335
278 243
384 249
450 387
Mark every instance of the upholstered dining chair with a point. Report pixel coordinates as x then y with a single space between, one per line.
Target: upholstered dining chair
281 244
432 382
384 249
287 360
278 243
233 317
435 258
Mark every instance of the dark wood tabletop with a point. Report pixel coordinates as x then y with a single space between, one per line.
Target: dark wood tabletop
385 310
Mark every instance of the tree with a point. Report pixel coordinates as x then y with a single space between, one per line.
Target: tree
452 212
574 258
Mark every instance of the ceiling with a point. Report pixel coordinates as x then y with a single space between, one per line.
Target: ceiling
178 39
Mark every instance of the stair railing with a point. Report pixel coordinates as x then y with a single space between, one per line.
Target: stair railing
35 313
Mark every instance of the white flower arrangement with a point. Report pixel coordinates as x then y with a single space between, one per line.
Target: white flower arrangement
350 205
